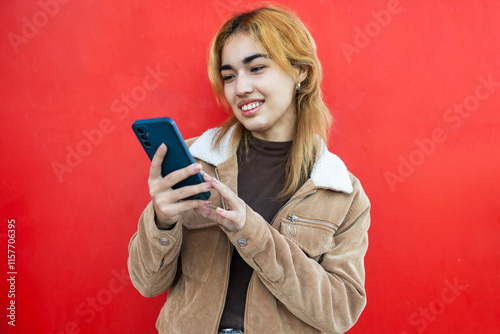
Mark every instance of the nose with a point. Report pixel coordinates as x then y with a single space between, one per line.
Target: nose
244 85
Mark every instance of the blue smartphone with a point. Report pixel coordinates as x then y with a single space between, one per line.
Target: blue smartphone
155 131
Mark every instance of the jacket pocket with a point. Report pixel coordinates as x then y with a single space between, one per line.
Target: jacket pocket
313 236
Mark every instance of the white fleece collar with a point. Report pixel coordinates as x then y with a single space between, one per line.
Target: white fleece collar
328 170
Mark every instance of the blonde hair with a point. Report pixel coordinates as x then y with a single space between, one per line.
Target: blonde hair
289 44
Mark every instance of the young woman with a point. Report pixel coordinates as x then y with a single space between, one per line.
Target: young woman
279 246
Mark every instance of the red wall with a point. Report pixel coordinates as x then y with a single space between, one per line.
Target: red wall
415 89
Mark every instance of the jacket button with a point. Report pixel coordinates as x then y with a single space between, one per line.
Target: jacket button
242 243
164 241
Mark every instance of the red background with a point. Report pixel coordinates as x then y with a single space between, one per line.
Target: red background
431 172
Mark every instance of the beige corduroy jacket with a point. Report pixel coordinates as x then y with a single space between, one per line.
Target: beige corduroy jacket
308 262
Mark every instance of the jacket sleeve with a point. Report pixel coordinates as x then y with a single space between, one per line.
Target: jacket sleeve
153 255
327 294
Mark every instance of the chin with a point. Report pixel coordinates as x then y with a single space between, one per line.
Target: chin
253 125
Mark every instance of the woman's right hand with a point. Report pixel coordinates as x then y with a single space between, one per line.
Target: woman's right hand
167 201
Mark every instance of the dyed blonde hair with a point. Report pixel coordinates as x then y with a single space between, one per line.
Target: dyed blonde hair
289 44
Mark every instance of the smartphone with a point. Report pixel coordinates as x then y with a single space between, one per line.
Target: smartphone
155 131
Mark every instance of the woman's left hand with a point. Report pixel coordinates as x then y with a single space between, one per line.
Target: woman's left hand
234 216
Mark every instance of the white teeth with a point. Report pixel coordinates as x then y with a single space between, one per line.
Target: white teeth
251 106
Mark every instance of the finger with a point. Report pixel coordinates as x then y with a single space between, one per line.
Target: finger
222 217
155 169
209 213
214 216
206 177
227 194
209 178
188 205
169 212
230 220
188 191
232 216
181 174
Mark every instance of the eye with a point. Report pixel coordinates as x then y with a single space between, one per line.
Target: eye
257 68
227 77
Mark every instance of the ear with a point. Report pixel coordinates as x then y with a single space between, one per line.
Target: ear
302 72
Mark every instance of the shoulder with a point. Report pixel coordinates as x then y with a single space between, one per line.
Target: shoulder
359 195
329 171
331 174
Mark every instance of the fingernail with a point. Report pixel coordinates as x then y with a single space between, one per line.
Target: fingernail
206 203
197 167
162 147
208 185
216 181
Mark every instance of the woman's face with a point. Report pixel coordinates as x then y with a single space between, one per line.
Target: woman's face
260 93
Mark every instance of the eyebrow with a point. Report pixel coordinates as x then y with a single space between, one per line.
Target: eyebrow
245 61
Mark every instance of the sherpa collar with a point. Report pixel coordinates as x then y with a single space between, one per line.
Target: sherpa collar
328 170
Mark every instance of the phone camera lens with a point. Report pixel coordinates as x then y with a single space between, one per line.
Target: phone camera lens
148 144
140 130
144 137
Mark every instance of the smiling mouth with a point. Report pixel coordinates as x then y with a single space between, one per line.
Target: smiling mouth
250 108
